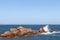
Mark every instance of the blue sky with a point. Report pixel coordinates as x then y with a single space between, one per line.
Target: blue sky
29 11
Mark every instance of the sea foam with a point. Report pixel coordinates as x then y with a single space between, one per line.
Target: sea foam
46 28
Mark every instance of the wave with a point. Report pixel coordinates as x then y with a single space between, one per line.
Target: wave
47 31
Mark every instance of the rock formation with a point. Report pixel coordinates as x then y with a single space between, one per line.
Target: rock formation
19 32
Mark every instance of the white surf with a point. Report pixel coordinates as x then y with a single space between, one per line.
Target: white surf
47 32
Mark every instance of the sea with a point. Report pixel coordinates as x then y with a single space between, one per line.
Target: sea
54 36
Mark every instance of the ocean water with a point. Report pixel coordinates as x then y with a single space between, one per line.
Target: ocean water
54 36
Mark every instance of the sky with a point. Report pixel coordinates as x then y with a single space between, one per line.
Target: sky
29 11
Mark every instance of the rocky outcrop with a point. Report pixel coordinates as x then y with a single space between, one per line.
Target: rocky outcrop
18 32
21 32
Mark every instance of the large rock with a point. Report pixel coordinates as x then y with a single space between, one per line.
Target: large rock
19 32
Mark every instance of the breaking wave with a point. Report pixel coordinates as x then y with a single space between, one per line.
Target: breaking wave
47 32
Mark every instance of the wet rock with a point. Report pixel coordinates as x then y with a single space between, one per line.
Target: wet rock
41 30
19 32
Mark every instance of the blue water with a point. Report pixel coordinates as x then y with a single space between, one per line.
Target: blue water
56 36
